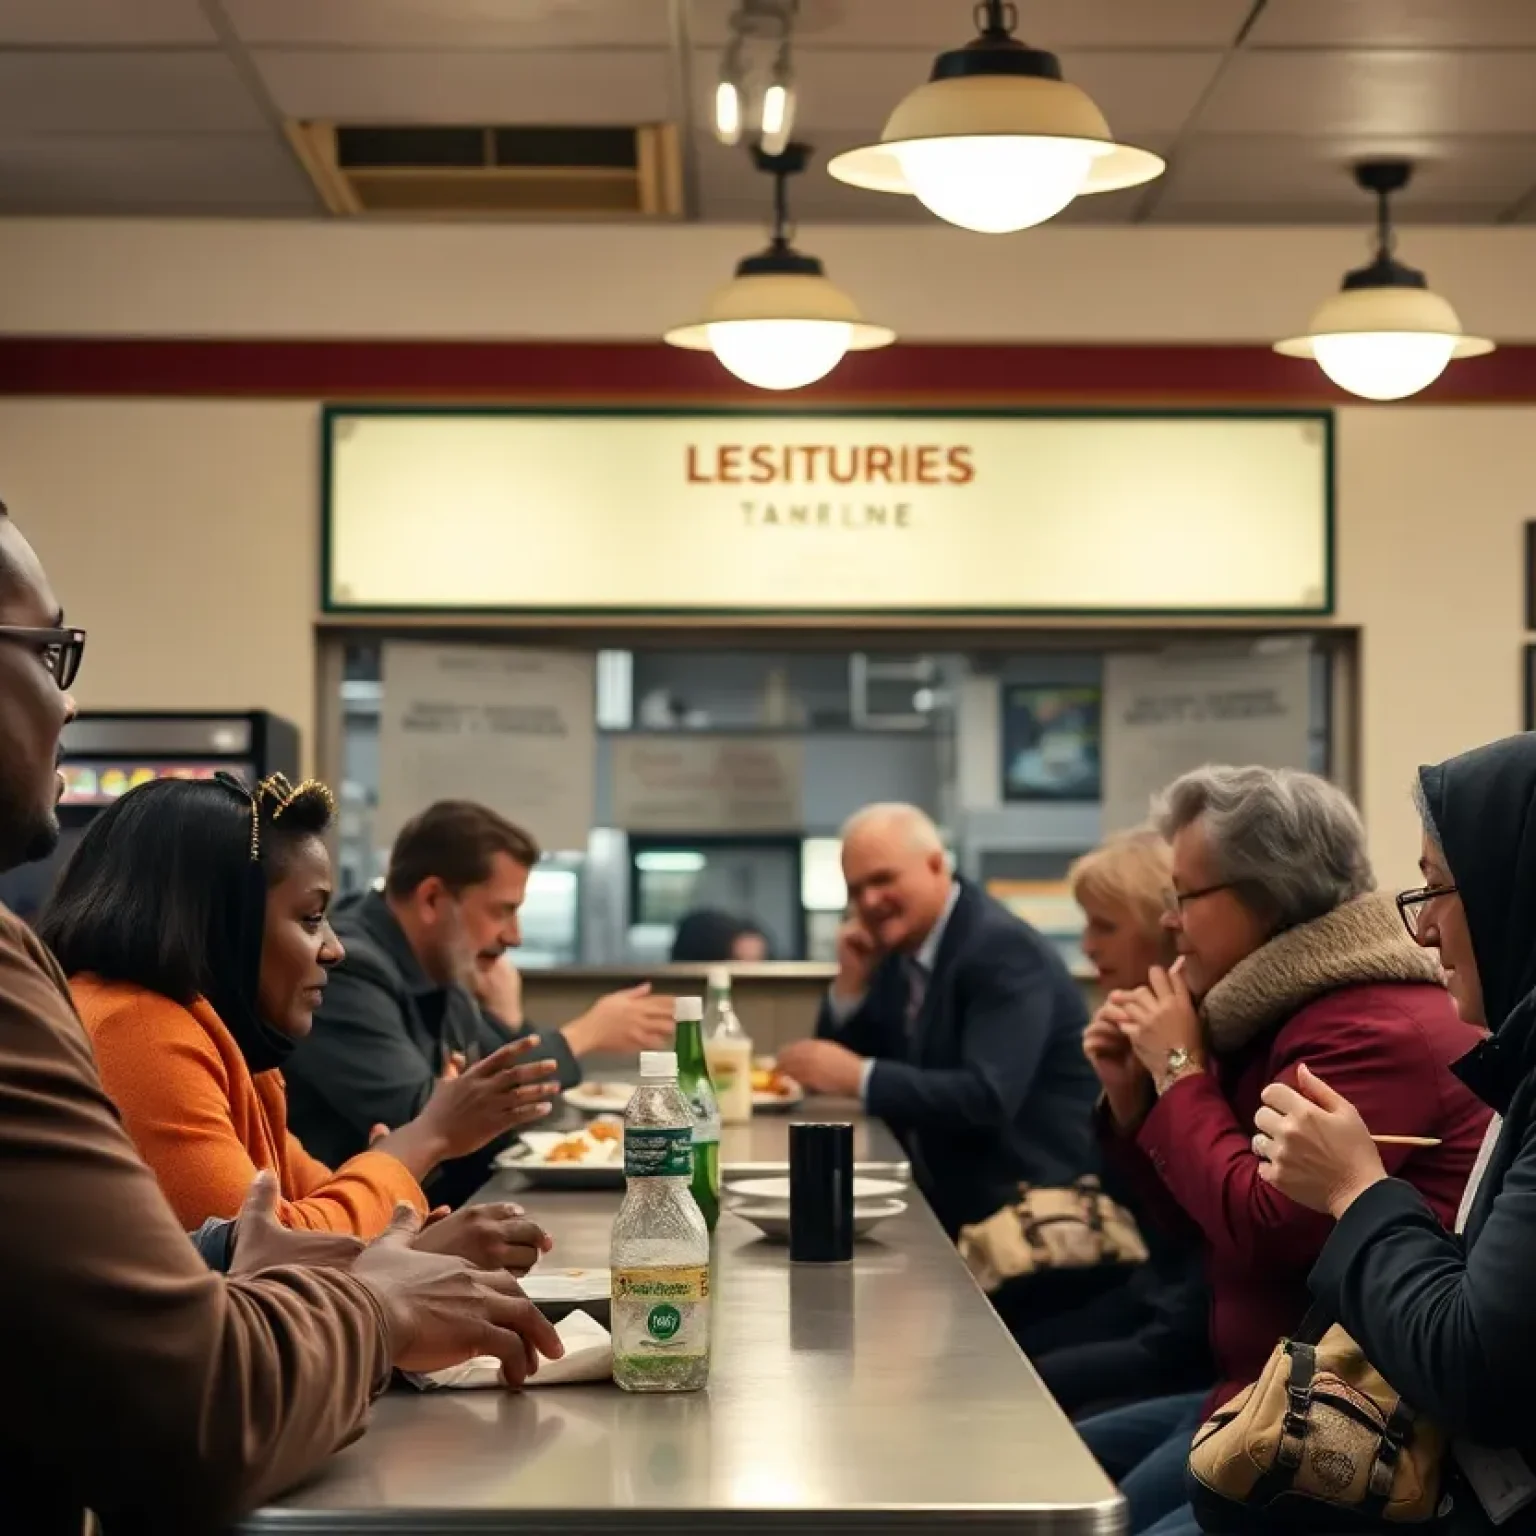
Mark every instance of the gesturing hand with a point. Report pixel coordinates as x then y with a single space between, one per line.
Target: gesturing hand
471 1107
442 1311
1313 1145
823 1066
623 1023
261 1242
491 1236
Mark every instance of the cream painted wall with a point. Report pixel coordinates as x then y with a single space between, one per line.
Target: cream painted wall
184 536
1432 508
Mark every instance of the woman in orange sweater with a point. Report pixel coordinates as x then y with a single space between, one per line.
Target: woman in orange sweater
192 923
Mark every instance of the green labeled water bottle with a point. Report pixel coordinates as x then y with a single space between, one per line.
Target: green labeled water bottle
696 1085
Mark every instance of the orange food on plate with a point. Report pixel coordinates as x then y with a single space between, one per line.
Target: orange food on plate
606 1130
572 1150
771 1080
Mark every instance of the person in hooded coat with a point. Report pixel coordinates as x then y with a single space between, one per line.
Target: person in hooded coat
1447 1317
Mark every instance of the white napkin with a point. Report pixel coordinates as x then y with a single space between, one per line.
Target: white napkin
588 1357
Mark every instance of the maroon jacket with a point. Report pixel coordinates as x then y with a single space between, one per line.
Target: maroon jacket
1353 998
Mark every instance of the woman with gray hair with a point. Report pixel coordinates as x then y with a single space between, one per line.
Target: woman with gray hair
1286 958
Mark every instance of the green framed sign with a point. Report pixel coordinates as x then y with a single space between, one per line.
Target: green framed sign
796 515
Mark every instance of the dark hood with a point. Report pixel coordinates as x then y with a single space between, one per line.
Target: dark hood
1482 806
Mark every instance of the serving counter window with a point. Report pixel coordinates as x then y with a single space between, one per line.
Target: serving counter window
719 779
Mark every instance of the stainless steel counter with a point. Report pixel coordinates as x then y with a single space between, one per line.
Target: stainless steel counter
878 1395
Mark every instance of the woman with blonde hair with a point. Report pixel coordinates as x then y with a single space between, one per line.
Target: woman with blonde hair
1146 1337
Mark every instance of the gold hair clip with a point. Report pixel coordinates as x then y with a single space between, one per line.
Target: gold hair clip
277 788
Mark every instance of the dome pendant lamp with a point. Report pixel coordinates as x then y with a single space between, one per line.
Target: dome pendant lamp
780 323
1386 334
996 141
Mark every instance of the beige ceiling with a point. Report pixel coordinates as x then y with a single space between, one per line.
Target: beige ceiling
176 106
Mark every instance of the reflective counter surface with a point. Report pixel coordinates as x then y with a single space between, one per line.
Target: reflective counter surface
877 1395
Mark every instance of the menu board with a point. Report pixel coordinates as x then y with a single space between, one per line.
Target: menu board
707 785
512 728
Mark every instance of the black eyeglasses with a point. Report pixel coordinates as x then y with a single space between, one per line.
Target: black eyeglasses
1411 904
1174 902
59 650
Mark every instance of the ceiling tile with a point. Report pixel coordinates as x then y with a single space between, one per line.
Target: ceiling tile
1378 93
842 91
470 87
1283 180
151 173
448 24
147 23
1395 24
131 92
933 25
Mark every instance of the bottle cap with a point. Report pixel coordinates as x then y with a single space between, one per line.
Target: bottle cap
687 1010
658 1064
719 979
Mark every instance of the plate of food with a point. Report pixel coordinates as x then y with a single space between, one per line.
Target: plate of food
591 1158
772 1091
772 1219
611 1098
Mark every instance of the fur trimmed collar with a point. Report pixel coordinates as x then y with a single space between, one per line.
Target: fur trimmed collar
1354 945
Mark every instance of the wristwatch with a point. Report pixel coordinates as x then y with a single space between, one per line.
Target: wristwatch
1180 1060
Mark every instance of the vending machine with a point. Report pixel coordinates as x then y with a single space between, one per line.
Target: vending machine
107 754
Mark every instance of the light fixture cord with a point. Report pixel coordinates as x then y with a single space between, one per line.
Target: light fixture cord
996 19
1385 239
783 232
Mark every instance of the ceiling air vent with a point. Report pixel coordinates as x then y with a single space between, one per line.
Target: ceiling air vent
494 172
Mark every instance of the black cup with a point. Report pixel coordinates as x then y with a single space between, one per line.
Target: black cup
821 1193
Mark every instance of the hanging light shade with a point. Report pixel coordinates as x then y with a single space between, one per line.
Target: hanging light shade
996 140
1386 334
781 322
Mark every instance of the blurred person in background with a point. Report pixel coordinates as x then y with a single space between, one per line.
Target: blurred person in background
1445 1315
955 1023
426 986
1286 956
145 1387
1148 1337
192 922
707 936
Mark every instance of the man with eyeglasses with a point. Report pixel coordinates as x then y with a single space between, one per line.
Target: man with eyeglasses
140 1384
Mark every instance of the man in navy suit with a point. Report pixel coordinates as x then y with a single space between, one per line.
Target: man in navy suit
954 1022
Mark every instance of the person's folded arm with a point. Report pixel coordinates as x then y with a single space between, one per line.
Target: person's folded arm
1452 1328
1008 1001
853 1022
154 1387
1205 1155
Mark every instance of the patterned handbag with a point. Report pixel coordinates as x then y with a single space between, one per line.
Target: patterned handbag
1319 1442
1075 1227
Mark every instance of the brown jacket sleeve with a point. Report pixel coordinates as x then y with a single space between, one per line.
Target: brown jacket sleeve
150 1384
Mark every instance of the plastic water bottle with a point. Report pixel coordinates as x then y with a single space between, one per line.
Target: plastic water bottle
693 1081
660 1250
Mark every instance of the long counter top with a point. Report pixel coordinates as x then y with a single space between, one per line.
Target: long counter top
882 1394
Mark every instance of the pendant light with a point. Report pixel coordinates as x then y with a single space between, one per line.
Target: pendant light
1386 334
780 323
996 140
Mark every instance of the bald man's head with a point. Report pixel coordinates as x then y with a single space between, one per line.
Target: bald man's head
898 877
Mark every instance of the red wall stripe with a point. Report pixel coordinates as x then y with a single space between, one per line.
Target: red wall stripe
640 372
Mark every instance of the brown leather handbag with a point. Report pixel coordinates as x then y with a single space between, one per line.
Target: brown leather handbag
1075 1227
1319 1442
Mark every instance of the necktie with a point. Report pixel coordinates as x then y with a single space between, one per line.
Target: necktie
917 991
